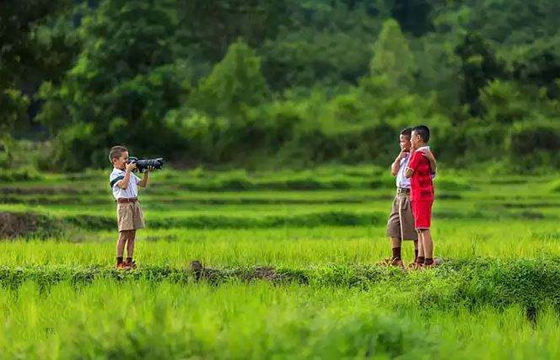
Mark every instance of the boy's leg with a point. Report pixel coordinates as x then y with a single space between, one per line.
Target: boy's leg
407 223
396 257
123 235
421 251
424 223
130 245
428 246
397 242
394 231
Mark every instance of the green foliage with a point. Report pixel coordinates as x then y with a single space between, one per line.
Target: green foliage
120 87
290 83
18 19
21 174
538 64
533 144
479 66
505 103
13 104
235 82
331 59
74 147
472 284
392 57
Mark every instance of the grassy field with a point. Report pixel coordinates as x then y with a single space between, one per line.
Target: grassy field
292 269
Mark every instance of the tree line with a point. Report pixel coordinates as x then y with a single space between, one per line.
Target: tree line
289 83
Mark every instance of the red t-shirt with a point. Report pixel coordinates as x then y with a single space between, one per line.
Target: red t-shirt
421 185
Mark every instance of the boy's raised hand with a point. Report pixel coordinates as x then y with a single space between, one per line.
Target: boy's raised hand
403 154
130 167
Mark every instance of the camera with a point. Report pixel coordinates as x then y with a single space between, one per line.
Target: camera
143 164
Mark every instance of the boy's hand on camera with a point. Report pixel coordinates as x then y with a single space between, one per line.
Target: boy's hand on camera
149 169
130 167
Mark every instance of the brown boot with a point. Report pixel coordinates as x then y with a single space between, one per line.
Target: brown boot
122 266
397 262
130 264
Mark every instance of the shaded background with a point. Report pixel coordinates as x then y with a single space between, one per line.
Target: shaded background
278 83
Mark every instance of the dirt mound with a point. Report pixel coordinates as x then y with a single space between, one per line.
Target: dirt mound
13 225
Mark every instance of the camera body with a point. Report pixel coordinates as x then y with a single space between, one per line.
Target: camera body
143 164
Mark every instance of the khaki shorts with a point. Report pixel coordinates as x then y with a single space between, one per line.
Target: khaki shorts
129 216
401 213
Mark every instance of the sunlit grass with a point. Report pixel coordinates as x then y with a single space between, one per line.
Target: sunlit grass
340 312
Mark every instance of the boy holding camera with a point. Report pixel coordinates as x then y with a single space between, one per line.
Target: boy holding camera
129 214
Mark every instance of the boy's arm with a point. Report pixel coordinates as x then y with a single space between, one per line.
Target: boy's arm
144 182
396 165
123 184
430 156
412 165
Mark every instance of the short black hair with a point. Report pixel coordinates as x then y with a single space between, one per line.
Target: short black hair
407 132
423 131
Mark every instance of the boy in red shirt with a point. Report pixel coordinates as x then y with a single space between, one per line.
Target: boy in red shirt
421 169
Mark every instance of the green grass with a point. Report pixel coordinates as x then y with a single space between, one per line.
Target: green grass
234 321
294 257
454 239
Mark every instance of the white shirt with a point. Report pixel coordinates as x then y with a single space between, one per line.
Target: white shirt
402 181
131 190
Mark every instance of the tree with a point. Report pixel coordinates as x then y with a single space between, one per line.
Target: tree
479 65
18 58
392 57
539 64
234 82
14 105
123 82
18 19
413 15
211 26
